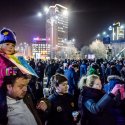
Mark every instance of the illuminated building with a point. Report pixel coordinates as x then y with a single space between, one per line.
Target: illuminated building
40 48
56 26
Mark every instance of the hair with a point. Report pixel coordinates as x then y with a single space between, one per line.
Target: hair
87 81
11 79
74 65
57 79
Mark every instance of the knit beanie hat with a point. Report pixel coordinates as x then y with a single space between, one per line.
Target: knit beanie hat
7 35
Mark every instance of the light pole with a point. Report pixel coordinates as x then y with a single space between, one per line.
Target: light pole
52 36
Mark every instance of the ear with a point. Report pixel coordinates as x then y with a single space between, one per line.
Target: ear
0 47
57 88
9 87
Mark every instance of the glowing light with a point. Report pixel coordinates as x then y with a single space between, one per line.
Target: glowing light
98 35
122 26
39 14
65 13
36 39
46 9
104 33
73 40
110 28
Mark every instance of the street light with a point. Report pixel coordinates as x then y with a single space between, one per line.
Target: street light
39 14
110 28
46 9
98 35
73 40
104 33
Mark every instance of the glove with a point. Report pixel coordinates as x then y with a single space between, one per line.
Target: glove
122 92
116 88
11 71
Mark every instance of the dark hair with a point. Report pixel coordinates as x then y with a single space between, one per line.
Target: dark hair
114 71
58 79
75 65
11 79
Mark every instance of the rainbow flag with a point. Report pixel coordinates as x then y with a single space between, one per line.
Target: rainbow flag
22 64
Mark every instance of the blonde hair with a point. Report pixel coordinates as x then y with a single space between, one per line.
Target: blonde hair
87 81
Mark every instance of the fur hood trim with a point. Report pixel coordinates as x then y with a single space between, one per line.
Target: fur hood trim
115 77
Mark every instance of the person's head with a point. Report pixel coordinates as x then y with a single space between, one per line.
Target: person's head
92 81
16 86
75 66
95 66
7 41
114 71
60 83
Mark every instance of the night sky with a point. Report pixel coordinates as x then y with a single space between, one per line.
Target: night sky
87 17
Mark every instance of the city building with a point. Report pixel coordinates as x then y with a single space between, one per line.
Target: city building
40 48
24 49
56 27
116 39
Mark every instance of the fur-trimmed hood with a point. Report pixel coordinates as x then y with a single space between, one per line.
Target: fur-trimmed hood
112 81
115 77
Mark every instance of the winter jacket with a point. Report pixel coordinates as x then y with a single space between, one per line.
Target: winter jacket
122 72
61 110
83 69
3 107
50 70
4 64
40 70
72 79
60 71
94 106
118 109
112 81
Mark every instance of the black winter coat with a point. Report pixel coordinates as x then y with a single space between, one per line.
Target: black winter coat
94 106
3 107
61 110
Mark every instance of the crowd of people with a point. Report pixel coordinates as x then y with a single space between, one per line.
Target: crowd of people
77 92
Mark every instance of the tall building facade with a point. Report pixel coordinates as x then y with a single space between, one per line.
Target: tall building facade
56 27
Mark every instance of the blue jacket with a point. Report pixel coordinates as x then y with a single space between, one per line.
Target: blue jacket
83 70
112 81
70 75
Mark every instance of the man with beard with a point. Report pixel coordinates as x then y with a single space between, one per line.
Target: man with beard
21 110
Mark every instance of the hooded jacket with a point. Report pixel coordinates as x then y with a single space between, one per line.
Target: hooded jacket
112 81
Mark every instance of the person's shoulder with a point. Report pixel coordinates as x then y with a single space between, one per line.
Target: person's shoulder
69 95
52 97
